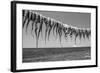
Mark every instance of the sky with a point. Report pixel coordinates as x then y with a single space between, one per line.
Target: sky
80 20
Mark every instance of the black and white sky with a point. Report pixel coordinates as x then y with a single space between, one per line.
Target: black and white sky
80 20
